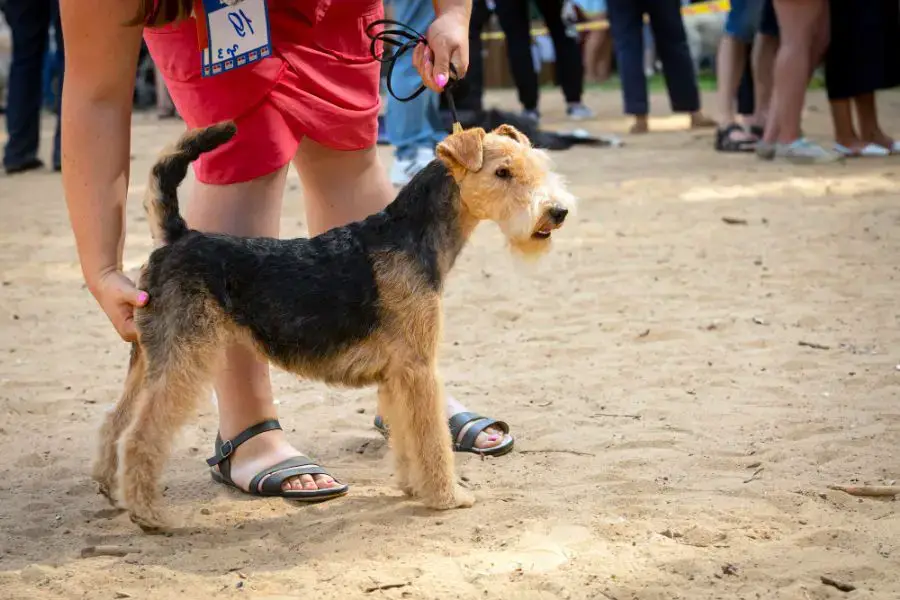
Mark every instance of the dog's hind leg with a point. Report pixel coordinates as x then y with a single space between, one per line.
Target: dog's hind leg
179 369
118 419
419 424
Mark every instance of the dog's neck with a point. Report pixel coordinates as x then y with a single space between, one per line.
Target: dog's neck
431 209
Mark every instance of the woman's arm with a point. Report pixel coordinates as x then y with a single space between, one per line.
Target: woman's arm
101 62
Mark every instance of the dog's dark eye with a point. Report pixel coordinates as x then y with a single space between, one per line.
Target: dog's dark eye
503 173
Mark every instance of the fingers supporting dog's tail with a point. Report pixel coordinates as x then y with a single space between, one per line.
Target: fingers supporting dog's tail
161 198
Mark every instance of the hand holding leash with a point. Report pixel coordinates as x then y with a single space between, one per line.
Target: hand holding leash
448 44
404 38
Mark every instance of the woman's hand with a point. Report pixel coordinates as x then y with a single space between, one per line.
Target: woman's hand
448 43
117 296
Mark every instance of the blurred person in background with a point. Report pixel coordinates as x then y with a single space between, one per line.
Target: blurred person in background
626 18
413 127
597 43
515 20
30 22
863 57
804 28
747 19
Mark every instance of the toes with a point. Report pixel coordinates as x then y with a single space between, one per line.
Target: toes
296 484
309 483
325 481
489 438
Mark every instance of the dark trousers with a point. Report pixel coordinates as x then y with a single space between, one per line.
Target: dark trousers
470 93
745 95
30 22
516 23
626 25
864 54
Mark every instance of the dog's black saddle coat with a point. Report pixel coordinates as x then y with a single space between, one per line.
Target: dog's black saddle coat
313 298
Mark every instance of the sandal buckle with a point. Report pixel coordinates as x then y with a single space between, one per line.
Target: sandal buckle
226 449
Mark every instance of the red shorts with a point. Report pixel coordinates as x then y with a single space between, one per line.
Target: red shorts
321 82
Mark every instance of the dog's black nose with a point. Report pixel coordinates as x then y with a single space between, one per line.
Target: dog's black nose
558 214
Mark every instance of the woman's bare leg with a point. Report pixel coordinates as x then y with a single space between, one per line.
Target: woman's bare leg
842 117
765 48
243 388
804 38
869 129
799 42
341 187
597 54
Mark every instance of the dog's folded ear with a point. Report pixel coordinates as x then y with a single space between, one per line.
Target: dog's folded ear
463 151
511 132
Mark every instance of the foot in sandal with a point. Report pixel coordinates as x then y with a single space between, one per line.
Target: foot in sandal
259 461
733 138
470 431
701 121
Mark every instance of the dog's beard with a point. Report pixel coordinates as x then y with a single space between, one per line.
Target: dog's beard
530 249
520 230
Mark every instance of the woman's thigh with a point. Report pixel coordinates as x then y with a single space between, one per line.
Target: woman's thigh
321 83
249 208
799 20
340 187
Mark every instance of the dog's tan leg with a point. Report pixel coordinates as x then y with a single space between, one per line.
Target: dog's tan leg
418 421
106 461
176 379
387 408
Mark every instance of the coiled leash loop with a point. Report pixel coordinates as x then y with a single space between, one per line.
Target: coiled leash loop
412 39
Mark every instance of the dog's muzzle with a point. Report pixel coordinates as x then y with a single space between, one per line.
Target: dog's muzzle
552 219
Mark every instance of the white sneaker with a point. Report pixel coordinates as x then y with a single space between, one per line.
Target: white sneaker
405 169
579 112
805 152
532 115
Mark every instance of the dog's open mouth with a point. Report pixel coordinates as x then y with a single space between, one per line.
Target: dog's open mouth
544 229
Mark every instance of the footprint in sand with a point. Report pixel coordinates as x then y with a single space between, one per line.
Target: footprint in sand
534 553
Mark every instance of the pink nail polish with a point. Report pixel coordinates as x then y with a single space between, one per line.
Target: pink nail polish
441 80
143 297
494 438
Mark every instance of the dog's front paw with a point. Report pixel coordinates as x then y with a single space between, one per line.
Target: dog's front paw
460 498
148 515
106 491
150 520
106 483
464 498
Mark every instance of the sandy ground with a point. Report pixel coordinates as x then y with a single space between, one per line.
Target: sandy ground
675 439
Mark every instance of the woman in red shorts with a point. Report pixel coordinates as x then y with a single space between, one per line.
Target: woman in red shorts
311 101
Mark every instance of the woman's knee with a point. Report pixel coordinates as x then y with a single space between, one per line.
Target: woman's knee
822 35
317 162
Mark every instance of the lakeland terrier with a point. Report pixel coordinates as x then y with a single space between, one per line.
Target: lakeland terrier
358 305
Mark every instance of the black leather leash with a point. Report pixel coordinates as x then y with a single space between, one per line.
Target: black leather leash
404 38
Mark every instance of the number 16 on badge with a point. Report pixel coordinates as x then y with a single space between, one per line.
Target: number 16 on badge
232 35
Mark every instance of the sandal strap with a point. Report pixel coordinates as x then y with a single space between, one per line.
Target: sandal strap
723 137
225 449
276 474
479 424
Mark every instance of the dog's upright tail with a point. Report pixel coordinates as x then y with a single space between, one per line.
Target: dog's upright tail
161 199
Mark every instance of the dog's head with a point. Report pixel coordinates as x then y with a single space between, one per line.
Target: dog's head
502 178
